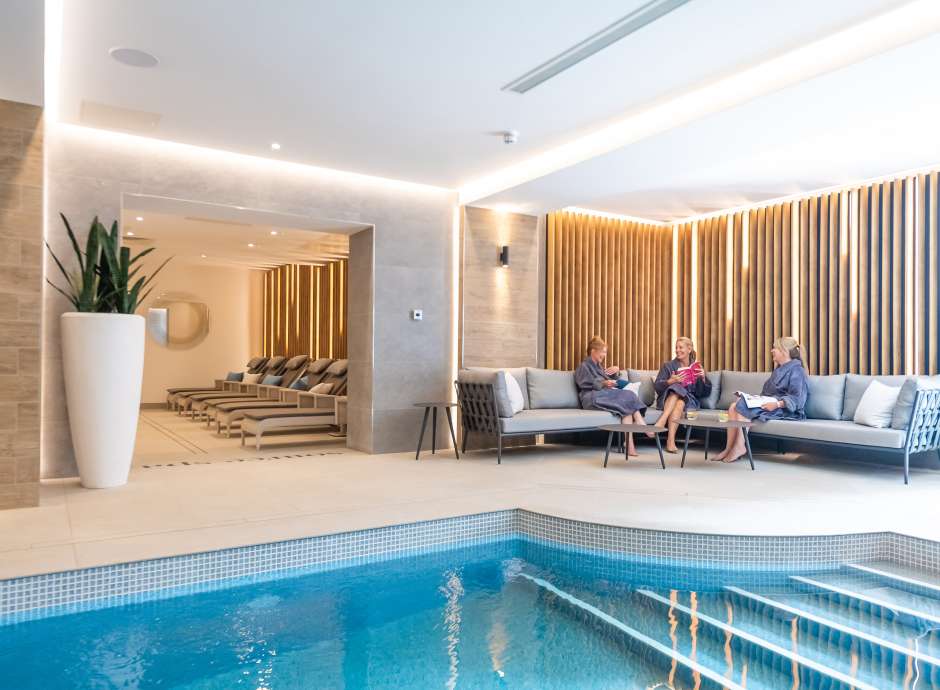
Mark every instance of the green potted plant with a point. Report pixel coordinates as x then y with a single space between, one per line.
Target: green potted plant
103 351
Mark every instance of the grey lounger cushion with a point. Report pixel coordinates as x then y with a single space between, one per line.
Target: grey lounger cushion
833 431
548 420
855 385
319 366
747 381
825 396
518 373
551 389
338 368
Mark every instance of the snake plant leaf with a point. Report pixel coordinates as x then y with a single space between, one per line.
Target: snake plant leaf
83 284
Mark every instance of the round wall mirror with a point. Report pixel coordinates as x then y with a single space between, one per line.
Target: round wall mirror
178 321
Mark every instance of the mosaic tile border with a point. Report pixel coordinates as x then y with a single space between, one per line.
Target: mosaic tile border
39 596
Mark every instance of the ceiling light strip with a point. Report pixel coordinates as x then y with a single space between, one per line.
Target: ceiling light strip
623 27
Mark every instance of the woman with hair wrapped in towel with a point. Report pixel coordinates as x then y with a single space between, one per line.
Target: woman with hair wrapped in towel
788 385
673 396
597 389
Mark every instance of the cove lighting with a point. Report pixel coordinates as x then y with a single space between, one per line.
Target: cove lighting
129 233
274 232
875 35
203 256
140 219
251 244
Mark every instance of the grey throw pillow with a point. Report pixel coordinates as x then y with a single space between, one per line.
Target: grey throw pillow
825 397
747 381
645 377
551 389
518 373
709 403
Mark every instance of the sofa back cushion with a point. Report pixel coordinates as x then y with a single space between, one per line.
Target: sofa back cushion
876 407
551 389
711 402
645 378
747 381
904 407
518 373
494 378
825 396
855 386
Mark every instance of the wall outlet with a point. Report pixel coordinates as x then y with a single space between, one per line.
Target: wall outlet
417 314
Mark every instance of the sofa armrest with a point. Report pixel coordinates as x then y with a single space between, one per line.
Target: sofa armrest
923 431
477 403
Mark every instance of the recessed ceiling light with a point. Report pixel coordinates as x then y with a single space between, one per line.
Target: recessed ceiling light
140 219
129 233
132 57
274 232
275 146
251 244
203 256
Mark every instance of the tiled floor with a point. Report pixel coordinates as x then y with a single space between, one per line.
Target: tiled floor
190 491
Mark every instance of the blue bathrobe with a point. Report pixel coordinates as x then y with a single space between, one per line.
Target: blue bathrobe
692 395
789 383
590 378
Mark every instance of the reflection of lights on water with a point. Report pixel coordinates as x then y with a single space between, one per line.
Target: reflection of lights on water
453 591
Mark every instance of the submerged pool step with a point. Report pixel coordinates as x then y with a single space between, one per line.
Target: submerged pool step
899 603
690 664
930 663
822 670
901 577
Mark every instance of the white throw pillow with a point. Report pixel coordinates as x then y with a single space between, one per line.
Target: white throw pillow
634 388
516 401
252 378
876 407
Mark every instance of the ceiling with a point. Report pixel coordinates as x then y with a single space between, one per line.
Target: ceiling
21 51
208 234
412 91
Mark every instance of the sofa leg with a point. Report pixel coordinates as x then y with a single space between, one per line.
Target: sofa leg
499 449
463 448
907 466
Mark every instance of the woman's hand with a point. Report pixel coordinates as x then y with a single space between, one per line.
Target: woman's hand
771 406
611 370
609 383
675 378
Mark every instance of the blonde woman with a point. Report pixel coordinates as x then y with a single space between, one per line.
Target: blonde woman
673 396
597 389
787 385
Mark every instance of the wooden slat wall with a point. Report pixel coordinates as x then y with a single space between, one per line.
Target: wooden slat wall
712 336
927 273
609 277
305 310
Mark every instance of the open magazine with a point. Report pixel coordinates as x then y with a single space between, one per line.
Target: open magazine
753 401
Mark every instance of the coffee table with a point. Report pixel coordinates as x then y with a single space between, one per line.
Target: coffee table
708 425
635 429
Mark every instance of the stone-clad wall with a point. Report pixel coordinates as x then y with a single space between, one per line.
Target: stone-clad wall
21 164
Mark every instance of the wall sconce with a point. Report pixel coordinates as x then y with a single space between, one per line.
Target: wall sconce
504 256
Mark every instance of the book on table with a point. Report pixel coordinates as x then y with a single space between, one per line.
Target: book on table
754 401
690 373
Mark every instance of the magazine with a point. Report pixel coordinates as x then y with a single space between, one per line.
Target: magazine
754 401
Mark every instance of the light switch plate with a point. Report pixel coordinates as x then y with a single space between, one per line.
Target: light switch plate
417 314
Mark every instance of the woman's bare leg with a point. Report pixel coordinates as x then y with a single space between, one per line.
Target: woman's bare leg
738 449
631 447
673 425
639 419
668 406
732 434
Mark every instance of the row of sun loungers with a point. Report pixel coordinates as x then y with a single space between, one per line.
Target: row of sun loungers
279 394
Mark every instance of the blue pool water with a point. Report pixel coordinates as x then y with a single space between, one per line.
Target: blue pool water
512 614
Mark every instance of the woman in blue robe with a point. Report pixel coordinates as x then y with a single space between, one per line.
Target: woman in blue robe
788 385
597 389
672 396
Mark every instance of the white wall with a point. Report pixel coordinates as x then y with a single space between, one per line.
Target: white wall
227 292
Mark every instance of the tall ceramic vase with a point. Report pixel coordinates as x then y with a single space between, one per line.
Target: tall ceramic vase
103 359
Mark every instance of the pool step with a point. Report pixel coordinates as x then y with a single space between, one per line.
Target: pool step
909 579
906 647
887 601
825 674
648 642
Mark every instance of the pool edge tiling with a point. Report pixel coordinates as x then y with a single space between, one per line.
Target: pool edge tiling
38 596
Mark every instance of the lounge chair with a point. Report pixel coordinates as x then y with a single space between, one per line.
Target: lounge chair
227 413
274 367
314 411
293 369
255 365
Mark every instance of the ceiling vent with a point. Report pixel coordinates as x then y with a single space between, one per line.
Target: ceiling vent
103 116
636 20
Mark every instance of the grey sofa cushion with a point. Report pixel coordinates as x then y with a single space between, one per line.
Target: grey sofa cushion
747 381
835 431
711 402
825 396
855 385
518 373
547 420
645 378
904 407
503 406
551 389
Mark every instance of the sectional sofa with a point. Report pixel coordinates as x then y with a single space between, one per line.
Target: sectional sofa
551 406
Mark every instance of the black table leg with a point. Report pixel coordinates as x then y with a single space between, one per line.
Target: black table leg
659 447
434 431
707 432
610 440
685 447
747 444
424 424
453 436
626 457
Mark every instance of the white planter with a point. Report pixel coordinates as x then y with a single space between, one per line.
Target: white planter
103 360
